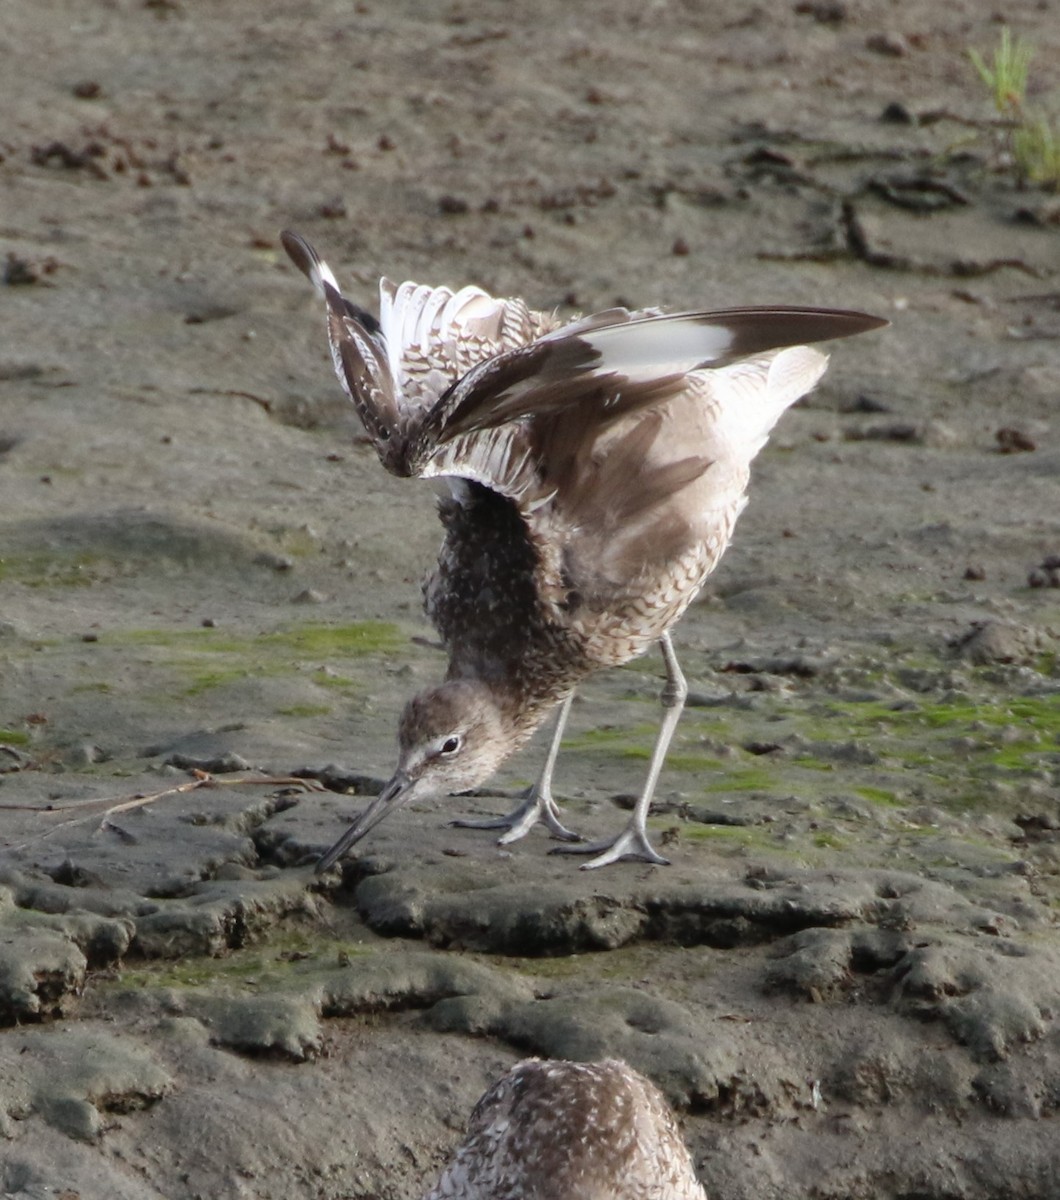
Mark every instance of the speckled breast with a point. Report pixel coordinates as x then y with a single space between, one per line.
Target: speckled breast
628 630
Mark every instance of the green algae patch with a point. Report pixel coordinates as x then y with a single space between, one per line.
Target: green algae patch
326 679
878 795
207 659
282 961
830 841
748 837
204 681
967 751
211 641
304 710
43 569
299 543
744 779
1020 755
609 742
809 762
100 686
609 737
695 763
359 637
953 751
14 737
193 973
623 963
1041 713
634 753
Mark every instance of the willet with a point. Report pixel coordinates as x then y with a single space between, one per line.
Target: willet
595 470
583 1131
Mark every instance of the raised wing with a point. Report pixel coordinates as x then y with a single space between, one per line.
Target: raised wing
358 352
464 384
616 369
624 363
395 369
435 336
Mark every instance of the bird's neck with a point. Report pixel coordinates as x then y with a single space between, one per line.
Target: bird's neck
521 704
523 717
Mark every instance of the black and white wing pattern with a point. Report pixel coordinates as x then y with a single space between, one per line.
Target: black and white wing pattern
358 350
460 383
617 363
397 367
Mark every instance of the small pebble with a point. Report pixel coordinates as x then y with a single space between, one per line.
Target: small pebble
826 12
893 44
24 271
896 113
1014 441
278 562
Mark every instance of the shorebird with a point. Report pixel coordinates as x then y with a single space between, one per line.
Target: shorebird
594 469
583 1131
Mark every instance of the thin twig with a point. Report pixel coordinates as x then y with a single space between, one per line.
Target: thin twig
113 805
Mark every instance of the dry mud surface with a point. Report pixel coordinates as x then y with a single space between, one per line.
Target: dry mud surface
848 983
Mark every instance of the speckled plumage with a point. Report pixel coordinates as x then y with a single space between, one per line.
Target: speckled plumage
570 1131
595 471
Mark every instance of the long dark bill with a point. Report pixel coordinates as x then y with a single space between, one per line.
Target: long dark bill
393 795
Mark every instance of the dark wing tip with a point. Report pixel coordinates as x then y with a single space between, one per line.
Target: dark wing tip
850 322
300 252
815 324
757 330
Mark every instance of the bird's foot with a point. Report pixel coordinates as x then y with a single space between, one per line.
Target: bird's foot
536 807
631 844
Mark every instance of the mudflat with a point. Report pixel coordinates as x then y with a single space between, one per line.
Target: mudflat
848 982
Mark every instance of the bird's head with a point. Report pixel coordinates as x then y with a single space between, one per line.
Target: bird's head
452 737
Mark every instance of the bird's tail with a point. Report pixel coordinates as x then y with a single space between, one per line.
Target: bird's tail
752 395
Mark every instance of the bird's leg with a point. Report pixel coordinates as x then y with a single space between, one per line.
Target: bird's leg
633 842
539 804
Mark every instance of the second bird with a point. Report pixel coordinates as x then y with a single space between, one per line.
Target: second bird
595 471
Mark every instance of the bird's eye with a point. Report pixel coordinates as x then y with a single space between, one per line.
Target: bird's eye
451 745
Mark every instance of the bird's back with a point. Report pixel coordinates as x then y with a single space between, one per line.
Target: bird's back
580 1131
